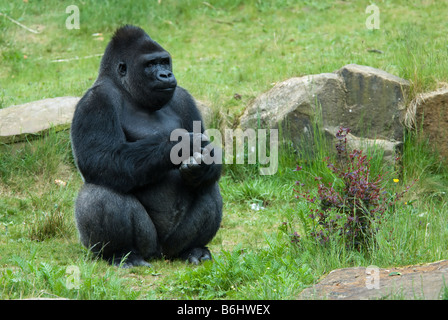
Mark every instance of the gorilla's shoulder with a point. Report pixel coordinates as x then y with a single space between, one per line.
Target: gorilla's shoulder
185 106
101 93
182 95
182 100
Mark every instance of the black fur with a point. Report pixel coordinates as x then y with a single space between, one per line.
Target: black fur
136 204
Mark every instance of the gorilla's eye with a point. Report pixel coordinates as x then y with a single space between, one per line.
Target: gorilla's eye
154 62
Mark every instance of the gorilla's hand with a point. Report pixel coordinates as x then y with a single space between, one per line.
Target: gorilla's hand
197 140
195 171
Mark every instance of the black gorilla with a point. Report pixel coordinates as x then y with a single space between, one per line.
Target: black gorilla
137 204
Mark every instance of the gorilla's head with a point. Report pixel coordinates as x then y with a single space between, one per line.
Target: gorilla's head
140 66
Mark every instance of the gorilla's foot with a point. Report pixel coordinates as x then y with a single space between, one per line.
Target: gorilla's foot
196 255
132 260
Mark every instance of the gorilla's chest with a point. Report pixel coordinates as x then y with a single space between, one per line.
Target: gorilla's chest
139 125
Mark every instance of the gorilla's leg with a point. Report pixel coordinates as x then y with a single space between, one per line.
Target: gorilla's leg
115 226
196 228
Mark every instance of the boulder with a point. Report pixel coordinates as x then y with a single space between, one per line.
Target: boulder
369 101
429 112
375 102
294 104
359 283
388 148
33 118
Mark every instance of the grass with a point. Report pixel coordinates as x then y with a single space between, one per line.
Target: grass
219 49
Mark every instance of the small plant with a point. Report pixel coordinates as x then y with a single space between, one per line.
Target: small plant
352 206
48 225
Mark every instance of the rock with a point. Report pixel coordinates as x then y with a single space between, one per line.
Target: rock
37 117
294 104
429 112
411 282
33 118
375 102
369 101
389 149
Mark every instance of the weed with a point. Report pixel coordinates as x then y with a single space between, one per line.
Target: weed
48 225
351 208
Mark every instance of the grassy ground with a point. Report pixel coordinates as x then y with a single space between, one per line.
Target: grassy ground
219 49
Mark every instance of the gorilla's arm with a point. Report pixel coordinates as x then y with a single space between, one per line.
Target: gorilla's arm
103 155
193 174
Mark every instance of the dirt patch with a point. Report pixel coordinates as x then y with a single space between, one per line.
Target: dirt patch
412 282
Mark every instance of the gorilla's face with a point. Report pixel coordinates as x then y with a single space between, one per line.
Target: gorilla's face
147 75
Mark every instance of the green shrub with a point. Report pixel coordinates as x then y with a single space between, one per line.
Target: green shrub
351 207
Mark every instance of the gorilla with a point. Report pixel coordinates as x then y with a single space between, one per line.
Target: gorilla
136 203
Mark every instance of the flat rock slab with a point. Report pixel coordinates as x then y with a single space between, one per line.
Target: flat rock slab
411 282
18 122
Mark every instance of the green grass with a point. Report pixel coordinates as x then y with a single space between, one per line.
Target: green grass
219 49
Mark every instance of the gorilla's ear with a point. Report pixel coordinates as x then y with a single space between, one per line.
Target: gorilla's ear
122 69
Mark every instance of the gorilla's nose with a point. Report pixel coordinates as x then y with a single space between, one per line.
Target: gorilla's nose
166 78
164 75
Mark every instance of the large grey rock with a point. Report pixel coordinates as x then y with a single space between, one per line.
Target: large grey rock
20 121
360 283
429 112
375 102
388 148
294 104
369 101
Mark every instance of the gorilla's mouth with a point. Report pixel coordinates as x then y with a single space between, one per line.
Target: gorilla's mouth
165 89
169 89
